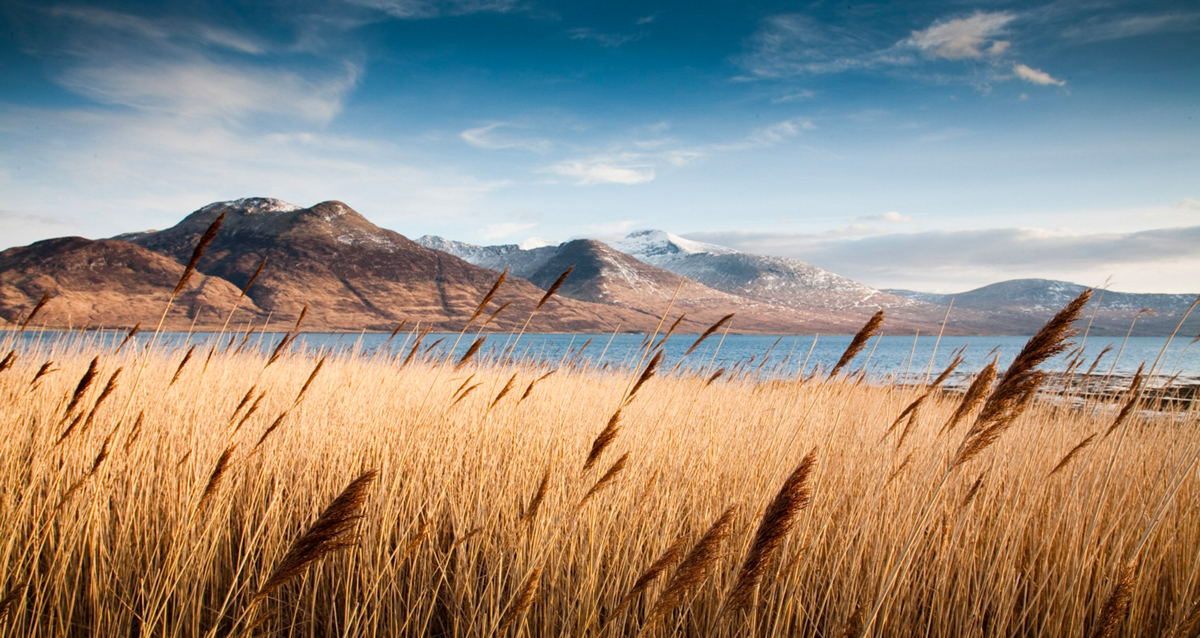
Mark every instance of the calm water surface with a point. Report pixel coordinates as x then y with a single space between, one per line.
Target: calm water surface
898 357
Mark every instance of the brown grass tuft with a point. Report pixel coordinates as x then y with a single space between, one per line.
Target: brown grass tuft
522 601
611 475
665 561
37 307
603 440
214 479
487 298
332 531
471 350
976 393
503 391
694 569
85 382
776 523
186 357
209 234
1071 455
1115 608
535 503
645 376
858 342
550 292
709 332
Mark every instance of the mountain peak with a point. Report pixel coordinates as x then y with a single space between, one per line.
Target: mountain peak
655 246
252 206
534 242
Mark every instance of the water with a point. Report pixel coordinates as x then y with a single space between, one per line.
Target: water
895 357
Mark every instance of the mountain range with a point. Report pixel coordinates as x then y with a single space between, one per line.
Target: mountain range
354 275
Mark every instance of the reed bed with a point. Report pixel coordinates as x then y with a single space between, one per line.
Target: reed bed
353 495
203 490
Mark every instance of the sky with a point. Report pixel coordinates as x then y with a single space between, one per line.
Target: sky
936 146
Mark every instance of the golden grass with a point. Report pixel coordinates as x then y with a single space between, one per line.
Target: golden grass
168 511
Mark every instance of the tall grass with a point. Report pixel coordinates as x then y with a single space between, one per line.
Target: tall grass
390 501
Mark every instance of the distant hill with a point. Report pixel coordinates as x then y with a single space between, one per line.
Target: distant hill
108 283
1024 304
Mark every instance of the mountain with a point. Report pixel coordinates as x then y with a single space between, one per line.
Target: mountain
109 283
1023 305
351 273
606 276
354 274
521 261
780 281
645 283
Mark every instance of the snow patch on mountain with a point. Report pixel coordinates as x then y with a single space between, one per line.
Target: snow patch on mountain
658 246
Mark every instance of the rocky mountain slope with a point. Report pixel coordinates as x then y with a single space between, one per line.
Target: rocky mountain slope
776 280
109 283
605 275
352 274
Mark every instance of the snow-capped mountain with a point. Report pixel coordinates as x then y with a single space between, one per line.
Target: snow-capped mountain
522 260
776 280
658 247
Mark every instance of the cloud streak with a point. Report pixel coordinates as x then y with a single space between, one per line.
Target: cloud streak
485 137
1035 76
961 38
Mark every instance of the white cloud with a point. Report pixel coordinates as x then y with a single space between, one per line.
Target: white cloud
766 136
794 44
647 19
165 32
608 40
111 172
1035 76
592 172
890 217
963 37
793 97
199 88
484 137
1189 204
423 9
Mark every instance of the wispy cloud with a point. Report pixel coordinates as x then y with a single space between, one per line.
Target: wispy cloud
794 44
608 40
424 9
591 172
959 38
1099 29
1036 76
890 217
486 137
635 162
166 32
980 44
200 88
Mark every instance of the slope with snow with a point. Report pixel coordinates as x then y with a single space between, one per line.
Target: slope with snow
776 280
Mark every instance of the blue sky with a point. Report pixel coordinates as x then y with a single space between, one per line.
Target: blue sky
937 146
